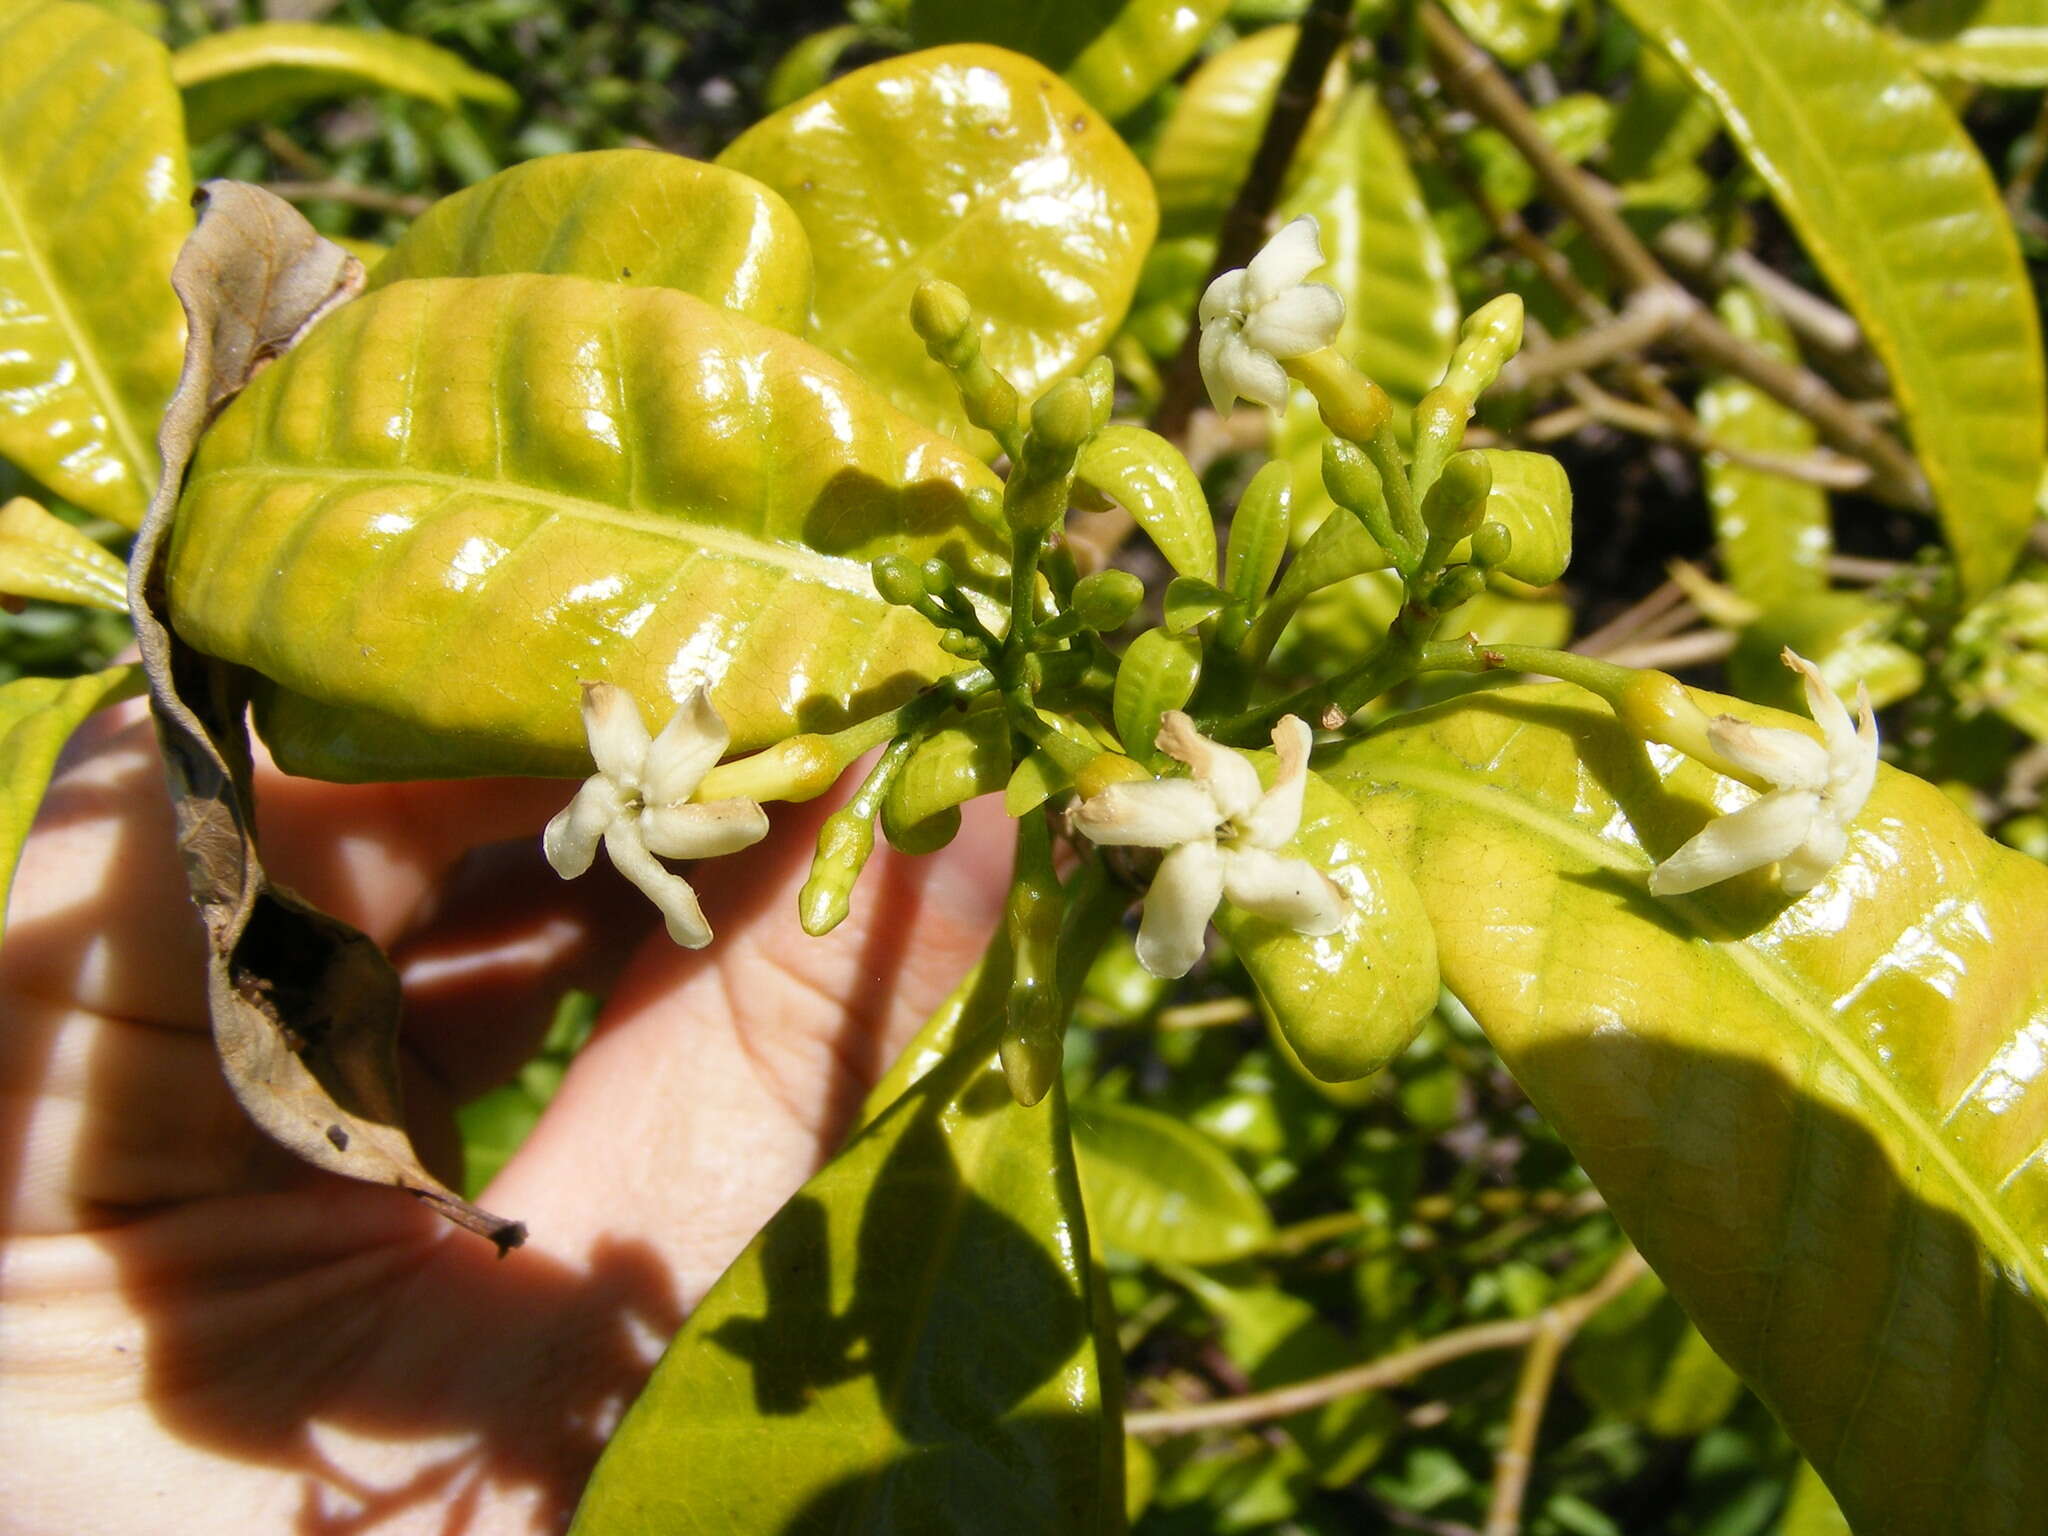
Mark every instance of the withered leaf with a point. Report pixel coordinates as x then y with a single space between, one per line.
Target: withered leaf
305 1008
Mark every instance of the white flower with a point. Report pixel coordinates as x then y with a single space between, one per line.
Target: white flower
1803 824
1256 315
637 803
1221 831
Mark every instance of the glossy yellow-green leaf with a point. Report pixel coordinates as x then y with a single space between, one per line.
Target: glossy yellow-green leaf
1260 531
1158 672
1150 479
1772 533
970 164
634 216
1208 142
1158 1189
1996 42
459 497
906 1347
1114 52
1532 499
1897 207
1821 1119
1380 250
952 766
1190 601
95 198
37 716
1050 768
1520 31
1348 1002
43 556
250 74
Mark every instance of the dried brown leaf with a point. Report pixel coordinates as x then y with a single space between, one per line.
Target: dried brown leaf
305 1008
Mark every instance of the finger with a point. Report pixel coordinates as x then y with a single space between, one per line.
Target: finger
719 1080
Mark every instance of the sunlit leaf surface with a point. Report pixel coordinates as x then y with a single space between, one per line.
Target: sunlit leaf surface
94 199
1899 210
459 497
633 216
971 164
1821 1119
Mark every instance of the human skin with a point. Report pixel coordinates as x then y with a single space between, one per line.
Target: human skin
199 1334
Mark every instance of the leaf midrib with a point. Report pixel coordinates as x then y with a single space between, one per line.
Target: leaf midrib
845 575
88 359
1773 979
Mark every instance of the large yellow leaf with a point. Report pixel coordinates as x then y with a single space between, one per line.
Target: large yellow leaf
634 216
1897 207
460 496
970 164
94 200
1822 1119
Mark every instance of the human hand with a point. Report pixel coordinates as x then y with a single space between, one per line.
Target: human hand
201 1334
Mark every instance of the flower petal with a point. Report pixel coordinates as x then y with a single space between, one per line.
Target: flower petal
1808 864
1217 338
1177 909
666 889
1229 777
1853 770
1298 322
1788 759
1161 813
1762 832
1286 259
618 736
704 831
1253 375
1823 703
1273 822
1227 296
1289 891
570 841
688 747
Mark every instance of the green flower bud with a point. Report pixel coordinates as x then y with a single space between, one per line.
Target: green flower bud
844 843
1061 420
1457 501
938 577
1105 601
1349 477
1491 544
945 321
926 836
1460 584
898 580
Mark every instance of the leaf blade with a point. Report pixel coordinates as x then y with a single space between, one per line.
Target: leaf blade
90 334
1804 1112
1892 199
699 507
971 164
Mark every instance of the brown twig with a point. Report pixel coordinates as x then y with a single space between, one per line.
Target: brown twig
403 205
1692 250
1692 649
1323 29
1389 1370
1554 1327
1470 75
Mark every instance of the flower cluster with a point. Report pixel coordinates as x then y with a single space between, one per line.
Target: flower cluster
1222 835
1802 823
637 803
1255 316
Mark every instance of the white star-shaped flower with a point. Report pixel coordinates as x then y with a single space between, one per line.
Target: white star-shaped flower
1221 832
1802 825
637 803
1256 315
